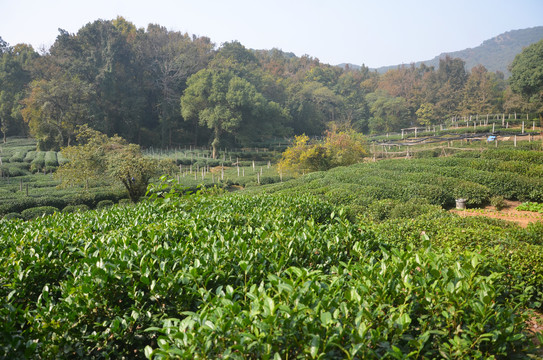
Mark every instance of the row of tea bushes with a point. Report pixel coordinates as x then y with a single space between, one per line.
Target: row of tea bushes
247 277
437 181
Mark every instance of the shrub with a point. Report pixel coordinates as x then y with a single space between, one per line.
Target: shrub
75 208
18 156
426 154
12 170
104 204
340 148
61 159
30 156
413 208
35 212
380 210
13 215
476 195
51 159
498 202
264 180
125 202
39 162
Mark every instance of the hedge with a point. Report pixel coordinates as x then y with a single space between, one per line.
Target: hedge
35 212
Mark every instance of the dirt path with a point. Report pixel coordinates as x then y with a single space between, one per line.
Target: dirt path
523 218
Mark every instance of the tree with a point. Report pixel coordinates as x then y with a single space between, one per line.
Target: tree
55 108
102 54
389 113
227 104
340 148
425 114
99 157
482 92
527 76
169 58
450 79
14 77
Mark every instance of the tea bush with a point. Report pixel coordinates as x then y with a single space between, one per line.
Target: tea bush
252 276
35 212
75 208
102 204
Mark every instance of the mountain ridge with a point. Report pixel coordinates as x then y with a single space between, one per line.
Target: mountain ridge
496 53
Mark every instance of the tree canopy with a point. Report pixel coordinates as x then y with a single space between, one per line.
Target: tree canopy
156 87
99 157
339 148
527 75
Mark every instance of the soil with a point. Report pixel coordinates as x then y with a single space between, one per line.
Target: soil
509 213
535 326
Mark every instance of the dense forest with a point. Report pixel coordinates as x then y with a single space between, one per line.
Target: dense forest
162 88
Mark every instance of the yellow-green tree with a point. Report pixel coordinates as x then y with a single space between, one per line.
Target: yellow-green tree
339 148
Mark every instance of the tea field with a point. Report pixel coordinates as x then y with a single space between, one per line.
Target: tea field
27 181
360 262
261 276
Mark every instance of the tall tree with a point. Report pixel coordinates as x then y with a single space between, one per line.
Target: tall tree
389 113
169 58
482 92
451 77
55 108
225 103
102 54
15 64
527 76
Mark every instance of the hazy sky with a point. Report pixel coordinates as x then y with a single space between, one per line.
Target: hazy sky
375 33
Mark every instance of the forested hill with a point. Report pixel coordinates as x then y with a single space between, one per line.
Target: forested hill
495 54
162 88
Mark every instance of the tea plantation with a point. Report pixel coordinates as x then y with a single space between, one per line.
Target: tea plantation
360 262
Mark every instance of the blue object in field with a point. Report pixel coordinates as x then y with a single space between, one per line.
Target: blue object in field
491 138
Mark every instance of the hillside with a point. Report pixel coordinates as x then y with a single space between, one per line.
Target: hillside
495 54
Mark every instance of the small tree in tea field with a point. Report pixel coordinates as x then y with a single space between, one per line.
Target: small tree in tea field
99 157
340 148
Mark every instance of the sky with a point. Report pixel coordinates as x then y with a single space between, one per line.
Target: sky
375 33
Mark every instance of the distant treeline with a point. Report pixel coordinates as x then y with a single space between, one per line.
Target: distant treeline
157 87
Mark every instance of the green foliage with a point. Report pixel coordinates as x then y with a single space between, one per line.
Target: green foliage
99 157
425 114
76 208
527 75
340 148
531 206
35 212
102 204
30 156
498 202
229 104
124 202
311 314
38 163
298 279
14 169
54 108
476 195
17 157
13 215
51 159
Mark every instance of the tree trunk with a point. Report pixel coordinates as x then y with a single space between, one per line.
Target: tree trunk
215 143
